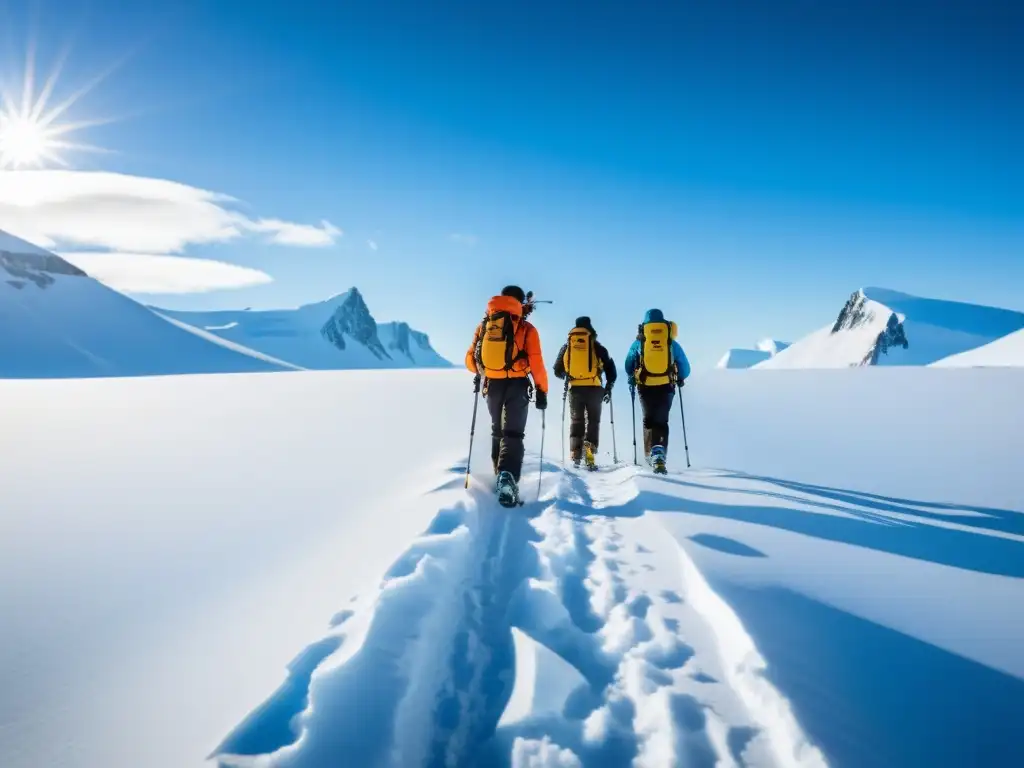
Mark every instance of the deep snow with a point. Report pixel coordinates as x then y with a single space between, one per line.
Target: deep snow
251 568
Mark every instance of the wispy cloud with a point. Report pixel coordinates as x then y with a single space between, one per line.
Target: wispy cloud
463 238
134 214
151 273
372 244
303 235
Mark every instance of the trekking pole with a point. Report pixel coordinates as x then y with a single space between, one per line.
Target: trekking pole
682 415
632 399
472 426
543 429
565 393
615 450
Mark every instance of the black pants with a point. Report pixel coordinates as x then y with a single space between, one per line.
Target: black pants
656 403
584 417
508 401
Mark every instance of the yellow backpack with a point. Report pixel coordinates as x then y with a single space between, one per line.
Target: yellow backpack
496 349
582 365
656 365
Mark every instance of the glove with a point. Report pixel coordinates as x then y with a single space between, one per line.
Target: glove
607 393
681 383
476 383
542 400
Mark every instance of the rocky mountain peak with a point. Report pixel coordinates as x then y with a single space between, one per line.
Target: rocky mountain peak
352 318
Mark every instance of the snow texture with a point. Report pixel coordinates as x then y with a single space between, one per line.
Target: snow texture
878 326
339 333
219 582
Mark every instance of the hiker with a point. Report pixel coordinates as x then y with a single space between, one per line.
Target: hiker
581 362
505 350
656 365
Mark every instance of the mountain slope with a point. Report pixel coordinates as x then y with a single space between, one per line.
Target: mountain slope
878 326
338 333
1001 353
56 322
249 582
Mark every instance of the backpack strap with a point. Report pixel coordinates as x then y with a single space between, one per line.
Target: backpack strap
641 371
478 350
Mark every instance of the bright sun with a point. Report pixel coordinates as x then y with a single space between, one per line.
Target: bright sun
24 141
33 133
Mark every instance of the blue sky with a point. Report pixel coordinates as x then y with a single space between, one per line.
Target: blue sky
743 165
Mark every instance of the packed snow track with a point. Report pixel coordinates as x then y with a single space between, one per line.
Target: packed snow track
565 633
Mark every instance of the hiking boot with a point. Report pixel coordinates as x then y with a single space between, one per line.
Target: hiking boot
658 460
507 490
588 452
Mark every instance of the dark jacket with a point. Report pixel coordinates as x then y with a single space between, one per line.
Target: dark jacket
610 373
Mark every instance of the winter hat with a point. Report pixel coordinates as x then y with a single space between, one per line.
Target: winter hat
584 322
654 316
515 292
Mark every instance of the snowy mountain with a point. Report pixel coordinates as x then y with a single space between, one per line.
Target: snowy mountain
220 581
1002 353
746 358
57 322
878 326
333 334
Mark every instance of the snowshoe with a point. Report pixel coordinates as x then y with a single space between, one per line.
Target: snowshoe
658 460
589 455
507 490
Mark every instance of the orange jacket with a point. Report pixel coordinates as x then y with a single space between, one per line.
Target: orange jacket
526 339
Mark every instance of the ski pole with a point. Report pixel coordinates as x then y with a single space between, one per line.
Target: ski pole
565 393
472 426
611 410
540 476
682 416
632 399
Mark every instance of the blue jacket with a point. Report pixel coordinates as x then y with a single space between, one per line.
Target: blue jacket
633 356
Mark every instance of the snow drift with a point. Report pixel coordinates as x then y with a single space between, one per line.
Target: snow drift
831 583
1005 352
338 333
878 326
56 321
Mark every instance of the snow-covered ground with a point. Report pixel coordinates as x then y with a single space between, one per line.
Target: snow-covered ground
286 571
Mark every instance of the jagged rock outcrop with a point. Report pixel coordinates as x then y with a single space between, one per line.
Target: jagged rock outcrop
38 268
353 319
860 311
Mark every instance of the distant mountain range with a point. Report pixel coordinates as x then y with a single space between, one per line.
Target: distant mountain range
878 326
56 322
337 333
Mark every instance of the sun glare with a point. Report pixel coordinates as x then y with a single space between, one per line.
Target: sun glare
23 141
32 133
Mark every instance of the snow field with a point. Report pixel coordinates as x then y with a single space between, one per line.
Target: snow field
251 574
